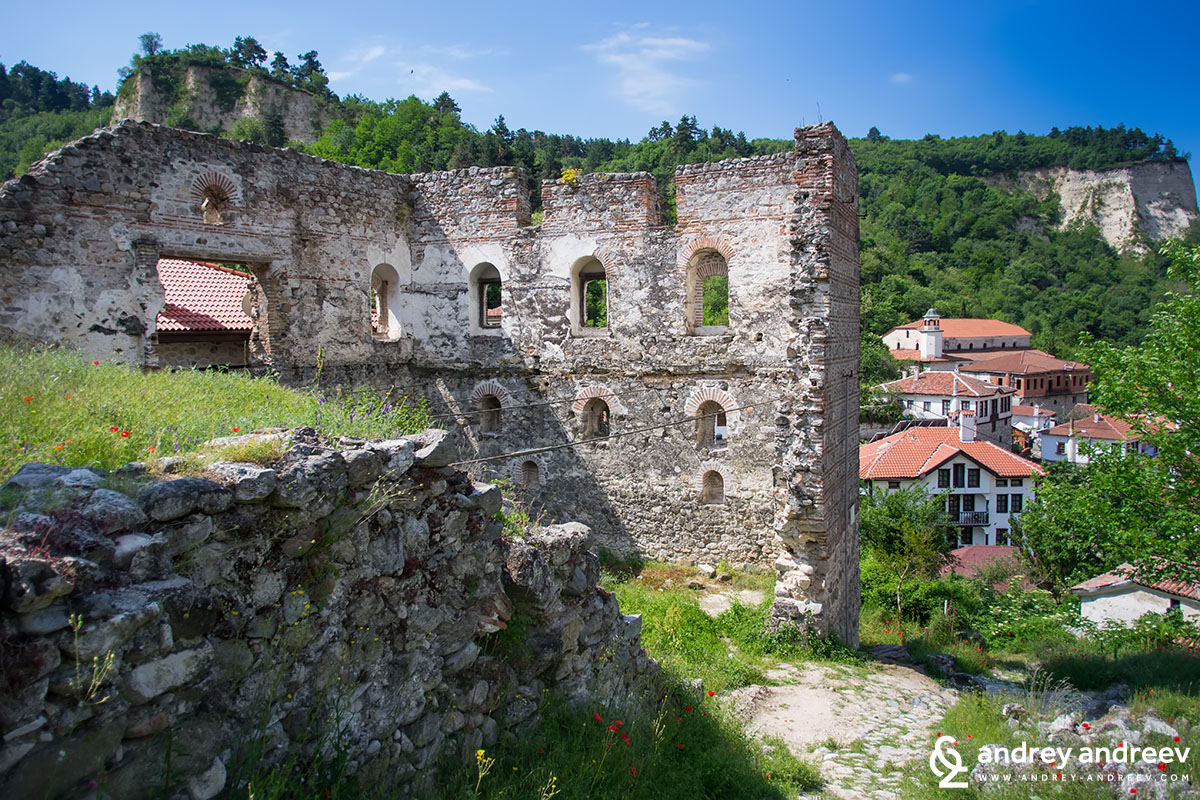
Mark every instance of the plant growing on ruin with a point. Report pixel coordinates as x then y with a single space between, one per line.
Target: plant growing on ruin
483 765
87 689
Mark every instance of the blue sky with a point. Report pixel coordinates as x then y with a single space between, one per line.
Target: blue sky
615 69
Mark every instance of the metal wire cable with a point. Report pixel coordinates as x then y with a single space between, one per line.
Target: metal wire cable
538 405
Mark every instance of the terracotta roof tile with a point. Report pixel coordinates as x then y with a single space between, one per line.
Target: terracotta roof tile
1124 574
917 451
1024 361
944 384
970 328
202 297
1105 427
1027 411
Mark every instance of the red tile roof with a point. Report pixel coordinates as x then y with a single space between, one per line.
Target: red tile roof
918 451
968 561
1124 575
1105 427
202 297
970 328
944 384
1024 362
1027 411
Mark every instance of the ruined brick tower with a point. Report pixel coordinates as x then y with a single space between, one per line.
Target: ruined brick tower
732 441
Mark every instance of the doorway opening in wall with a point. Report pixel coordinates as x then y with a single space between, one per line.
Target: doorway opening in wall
211 309
384 294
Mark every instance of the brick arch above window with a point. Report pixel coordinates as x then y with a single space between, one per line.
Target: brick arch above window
492 388
705 394
583 395
718 467
520 472
689 251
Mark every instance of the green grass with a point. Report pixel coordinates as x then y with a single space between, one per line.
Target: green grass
58 407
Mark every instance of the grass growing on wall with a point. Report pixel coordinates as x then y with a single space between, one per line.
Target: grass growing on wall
58 407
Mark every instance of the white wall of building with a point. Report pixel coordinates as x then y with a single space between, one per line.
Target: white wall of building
1129 602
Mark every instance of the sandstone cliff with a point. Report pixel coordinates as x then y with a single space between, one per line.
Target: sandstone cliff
1131 205
212 99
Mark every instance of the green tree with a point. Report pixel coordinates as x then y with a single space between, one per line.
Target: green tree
151 44
247 52
445 104
280 69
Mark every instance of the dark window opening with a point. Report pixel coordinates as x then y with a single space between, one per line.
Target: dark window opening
959 474
595 418
713 491
490 420
943 479
973 478
530 473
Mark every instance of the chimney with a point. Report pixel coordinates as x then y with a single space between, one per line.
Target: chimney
966 426
1096 417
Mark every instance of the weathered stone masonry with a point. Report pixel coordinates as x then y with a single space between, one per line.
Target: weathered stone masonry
361 588
81 234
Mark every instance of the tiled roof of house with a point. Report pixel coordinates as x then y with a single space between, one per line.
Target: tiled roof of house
1028 411
945 384
202 297
1124 574
1099 426
970 328
1024 362
917 451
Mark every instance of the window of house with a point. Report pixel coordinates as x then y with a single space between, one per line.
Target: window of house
1017 504
925 406
973 478
490 420
1001 504
1002 537
966 537
943 479
1172 604
531 473
1002 481
1131 447
1060 448
589 303
712 429
384 296
968 502
595 418
707 297
487 291
966 405
893 484
959 475
713 492
946 408
1017 482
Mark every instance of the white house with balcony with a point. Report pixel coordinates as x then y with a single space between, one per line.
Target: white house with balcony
985 486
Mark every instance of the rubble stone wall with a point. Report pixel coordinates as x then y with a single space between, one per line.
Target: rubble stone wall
364 588
98 214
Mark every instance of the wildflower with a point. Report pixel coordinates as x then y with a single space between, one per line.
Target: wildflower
66 397
124 434
95 363
1177 738
680 745
625 736
236 430
613 728
711 693
633 770
114 430
689 708
597 717
150 448
1162 767
60 447
28 399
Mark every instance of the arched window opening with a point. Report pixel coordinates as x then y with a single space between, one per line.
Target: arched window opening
490 420
712 429
707 297
486 297
713 491
384 296
213 204
595 418
530 473
589 302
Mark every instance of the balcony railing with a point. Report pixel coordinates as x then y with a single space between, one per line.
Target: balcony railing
968 518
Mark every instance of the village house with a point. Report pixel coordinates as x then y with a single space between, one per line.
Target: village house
1121 596
1038 378
934 340
1076 439
204 321
985 485
942 395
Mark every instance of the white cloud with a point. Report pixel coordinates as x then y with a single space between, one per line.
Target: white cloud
424 77
901 78
642 61
427 80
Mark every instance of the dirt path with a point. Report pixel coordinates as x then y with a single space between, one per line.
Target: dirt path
862 723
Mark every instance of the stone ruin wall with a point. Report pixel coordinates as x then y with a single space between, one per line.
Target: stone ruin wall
303 114
96 216
368 582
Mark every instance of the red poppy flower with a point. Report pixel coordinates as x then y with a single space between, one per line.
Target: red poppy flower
597 718
95 362
1162 767
235 430
28 399
1086 726
633 770
150 448
114 430
680 746
124 434
689 708
618 722
613 728
711 693
60 447
1177 738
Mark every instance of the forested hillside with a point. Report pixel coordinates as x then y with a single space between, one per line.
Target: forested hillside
933 233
